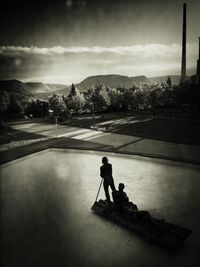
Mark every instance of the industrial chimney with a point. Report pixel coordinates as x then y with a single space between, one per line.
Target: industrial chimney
198 66
183 63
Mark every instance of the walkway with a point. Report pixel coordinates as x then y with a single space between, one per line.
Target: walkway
50 135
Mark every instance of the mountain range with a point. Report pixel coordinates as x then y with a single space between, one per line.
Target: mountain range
19 89
114 81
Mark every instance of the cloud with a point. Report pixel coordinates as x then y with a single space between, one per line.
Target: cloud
145 51
69 64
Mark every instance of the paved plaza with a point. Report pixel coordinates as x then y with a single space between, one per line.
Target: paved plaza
46 197
47 221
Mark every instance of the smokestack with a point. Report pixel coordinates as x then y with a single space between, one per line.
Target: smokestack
183 64
198 66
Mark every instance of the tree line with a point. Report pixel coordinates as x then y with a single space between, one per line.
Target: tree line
102 99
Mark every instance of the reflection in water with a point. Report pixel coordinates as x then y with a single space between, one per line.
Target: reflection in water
46 202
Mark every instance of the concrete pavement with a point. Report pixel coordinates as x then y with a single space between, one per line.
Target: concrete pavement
81 138
46 217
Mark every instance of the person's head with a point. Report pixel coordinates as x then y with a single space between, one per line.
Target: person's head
104 160
121 187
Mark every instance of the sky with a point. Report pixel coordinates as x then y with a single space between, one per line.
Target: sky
67 41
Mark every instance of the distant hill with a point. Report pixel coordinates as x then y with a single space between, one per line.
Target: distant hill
19 89
59 88
44 90
138 80
115 81
175 79
111 80
40 87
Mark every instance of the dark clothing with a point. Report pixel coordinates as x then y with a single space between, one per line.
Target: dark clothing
129 210
105 186
120 197
106 174
122 202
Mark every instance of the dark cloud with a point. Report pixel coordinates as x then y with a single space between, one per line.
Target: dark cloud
37 38
96 22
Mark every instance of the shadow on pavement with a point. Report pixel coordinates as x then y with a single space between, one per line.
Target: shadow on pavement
185 132
10 135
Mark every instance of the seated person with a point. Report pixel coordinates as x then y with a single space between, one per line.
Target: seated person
126 208
121 200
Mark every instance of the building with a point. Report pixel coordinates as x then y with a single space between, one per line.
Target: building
196 78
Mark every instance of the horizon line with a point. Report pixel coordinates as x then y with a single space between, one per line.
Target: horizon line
63 83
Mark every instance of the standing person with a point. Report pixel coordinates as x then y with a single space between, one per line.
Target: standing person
106 174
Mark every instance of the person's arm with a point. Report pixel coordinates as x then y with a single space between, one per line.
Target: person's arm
110 170
125 197
101 173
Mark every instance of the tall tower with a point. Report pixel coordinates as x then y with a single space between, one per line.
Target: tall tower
183 63
198 66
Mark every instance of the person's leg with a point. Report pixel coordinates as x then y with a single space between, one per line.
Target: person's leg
105 185
112 185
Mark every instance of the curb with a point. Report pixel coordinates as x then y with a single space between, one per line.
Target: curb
22 151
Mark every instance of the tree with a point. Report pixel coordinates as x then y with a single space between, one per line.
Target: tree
73 91
100 97
37 107
57 104
75 101
4 102
156 98
137 102
169 82
15 107
115 99
127 98
188 93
